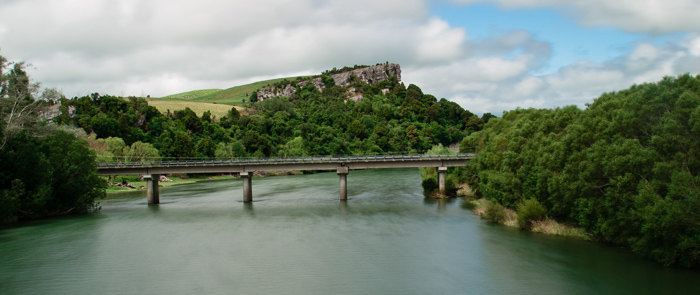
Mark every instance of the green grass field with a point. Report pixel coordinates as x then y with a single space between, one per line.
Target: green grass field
218 110
217 101
231 96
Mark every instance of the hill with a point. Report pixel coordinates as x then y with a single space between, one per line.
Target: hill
230 96
217 101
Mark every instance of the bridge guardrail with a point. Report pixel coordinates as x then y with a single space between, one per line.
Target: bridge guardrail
312 159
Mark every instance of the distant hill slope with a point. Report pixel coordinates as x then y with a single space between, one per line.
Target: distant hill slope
217 101
231 96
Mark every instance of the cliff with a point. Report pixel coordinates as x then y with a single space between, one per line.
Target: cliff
370 75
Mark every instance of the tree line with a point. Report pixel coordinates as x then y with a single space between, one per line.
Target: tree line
309 122
625 168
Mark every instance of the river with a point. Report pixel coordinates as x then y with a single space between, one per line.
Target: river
297 238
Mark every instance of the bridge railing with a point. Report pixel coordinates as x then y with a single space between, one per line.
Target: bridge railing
272 160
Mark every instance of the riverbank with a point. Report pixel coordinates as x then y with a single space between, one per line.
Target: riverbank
508 217
178 179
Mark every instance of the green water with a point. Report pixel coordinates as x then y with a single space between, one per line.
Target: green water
297 238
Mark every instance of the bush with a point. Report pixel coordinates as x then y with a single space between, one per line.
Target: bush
528 211
495 212
430 186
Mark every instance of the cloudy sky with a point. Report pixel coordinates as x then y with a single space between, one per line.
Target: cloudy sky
488 56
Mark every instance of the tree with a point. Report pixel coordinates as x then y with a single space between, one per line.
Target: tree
48 177
230 150
294 148
205 147
140 152
357 129
182 146
18 108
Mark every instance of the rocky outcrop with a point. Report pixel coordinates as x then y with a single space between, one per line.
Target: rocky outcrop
271 91
54 111
370 75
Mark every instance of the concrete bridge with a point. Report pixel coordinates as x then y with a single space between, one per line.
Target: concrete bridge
246 167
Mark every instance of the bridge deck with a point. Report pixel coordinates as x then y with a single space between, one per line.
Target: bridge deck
269 164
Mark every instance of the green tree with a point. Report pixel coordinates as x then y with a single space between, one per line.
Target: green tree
205 148
229 150
140 152
182 146
294 148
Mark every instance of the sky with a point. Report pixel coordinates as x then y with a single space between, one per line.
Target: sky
486 55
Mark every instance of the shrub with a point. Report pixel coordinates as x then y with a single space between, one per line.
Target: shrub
430 185
495 212
528 211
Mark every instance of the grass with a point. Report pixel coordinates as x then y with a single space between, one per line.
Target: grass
231 96
218 110
141 184
192 94
481 207
217 101
551 227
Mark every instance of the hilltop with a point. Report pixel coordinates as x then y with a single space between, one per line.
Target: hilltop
219 101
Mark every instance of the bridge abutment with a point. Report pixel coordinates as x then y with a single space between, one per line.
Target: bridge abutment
441 171
343 173
247 178
152 191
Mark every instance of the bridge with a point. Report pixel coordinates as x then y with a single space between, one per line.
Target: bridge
247 166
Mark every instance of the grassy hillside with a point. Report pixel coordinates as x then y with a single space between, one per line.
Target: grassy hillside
218 110
192 94
217 101
231 96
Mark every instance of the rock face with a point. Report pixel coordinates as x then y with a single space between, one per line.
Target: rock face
370 75
270 92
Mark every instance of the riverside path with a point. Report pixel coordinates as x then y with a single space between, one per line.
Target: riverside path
246 166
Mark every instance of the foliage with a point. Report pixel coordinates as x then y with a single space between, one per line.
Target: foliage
429 174
495 212
308 123
626 169
50 177
528 211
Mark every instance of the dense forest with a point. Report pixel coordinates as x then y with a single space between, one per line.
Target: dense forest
626 169
307 123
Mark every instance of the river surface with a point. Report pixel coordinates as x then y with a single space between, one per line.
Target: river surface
297 238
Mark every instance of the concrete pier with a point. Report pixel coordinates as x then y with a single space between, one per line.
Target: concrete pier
343 173
247 178
441 178
152 188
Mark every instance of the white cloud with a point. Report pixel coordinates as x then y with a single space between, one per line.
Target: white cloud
575 84
643 16
158 47
439 42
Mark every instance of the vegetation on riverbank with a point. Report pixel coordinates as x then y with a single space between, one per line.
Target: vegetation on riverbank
178 179
625 169
44 170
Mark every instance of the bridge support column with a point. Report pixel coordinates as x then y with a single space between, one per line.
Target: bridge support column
152 188
343 173
441 178
247 186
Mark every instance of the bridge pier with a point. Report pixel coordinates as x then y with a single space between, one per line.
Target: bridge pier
441 178
152 188
343 173
247 178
